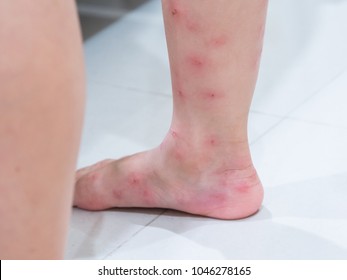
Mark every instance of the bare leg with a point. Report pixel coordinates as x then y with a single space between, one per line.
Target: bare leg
204 165
41 109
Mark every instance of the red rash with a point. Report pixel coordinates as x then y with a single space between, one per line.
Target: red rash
134 180
217 42
118 194
178 154
192 26
184 19
180 93
196 61
219 198
174 134
94 177
243 188
212 142
212 95
146 194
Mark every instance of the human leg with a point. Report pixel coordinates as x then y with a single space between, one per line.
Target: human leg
41 108
204 164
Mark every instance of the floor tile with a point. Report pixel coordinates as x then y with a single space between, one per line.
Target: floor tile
296 151
260 124
94 235
329 106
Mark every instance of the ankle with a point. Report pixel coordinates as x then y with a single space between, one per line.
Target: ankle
204 153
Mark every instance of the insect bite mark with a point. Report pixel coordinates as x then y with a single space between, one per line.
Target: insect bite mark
218 42
196 61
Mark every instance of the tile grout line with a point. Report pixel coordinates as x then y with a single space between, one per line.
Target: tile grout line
319 178
283 118
266 131
317 123
315 93
287 115
134 234
266 114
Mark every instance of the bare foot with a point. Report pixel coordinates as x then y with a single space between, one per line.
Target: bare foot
204 165
218 181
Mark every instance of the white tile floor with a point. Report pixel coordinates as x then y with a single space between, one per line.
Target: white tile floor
298 131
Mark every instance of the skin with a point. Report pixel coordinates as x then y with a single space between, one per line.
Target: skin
203 166
41 109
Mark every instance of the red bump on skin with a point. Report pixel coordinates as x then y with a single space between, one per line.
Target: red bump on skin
196 61
180 93
146 193
173 133
94 177
192 26
225 178
218 41
176 151
216 198
177 154
243 188
212 95
118 194
174 12
181 15
212 142
134 180
173 7
148 196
